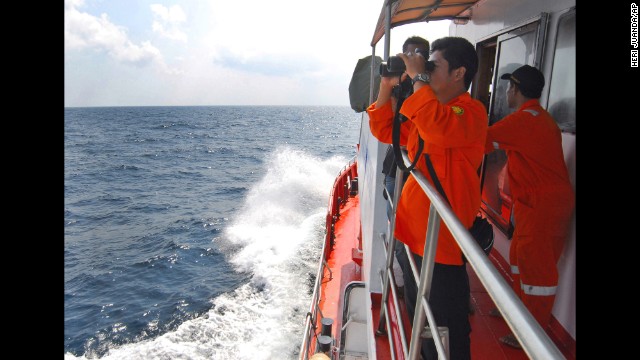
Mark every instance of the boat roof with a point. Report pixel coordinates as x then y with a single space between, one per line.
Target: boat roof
411 11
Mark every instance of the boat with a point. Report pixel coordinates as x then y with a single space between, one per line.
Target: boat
356 311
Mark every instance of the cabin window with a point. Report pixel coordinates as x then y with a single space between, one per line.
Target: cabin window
515 49
505 52
481 87
562 87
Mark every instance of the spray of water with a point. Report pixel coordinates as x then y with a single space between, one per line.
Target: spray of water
276 238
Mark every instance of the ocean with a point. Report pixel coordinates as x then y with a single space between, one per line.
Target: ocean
195 232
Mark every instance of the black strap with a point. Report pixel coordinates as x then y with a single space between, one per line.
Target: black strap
481 171
398 119
436 182
434 177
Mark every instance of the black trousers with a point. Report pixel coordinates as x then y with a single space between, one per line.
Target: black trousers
449 301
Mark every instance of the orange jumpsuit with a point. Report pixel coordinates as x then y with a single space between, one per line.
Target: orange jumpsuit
454 136
543 202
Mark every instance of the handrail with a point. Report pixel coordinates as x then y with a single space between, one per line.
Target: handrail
340 187
534 340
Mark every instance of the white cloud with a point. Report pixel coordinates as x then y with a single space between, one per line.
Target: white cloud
167 21
248 53
306 40
83 30
73 3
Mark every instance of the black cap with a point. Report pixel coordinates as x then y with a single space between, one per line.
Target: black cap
530 81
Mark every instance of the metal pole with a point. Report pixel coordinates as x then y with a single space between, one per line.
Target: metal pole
424 289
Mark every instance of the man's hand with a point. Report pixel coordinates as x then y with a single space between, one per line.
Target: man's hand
415 63
386 86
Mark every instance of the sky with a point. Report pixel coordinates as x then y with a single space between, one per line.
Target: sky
197 52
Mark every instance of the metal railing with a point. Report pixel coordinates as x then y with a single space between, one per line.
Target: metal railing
534 340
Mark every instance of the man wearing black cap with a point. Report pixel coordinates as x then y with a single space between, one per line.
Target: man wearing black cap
541 190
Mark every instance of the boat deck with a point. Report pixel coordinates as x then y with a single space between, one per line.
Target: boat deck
486 329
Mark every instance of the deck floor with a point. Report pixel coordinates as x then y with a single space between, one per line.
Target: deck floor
485 329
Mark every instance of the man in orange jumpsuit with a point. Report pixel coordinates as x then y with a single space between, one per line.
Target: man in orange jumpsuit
453 127
542 193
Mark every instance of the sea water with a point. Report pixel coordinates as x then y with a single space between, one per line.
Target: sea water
195 232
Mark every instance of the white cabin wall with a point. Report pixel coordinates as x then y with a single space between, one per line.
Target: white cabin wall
564 308
501 244
484 21
374 222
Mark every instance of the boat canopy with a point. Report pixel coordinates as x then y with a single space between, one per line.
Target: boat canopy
411 11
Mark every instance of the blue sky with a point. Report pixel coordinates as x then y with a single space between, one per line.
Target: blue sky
196 52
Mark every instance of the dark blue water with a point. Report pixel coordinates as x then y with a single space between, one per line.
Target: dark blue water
193 232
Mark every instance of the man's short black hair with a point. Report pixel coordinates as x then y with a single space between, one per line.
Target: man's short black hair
416 40
458 52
